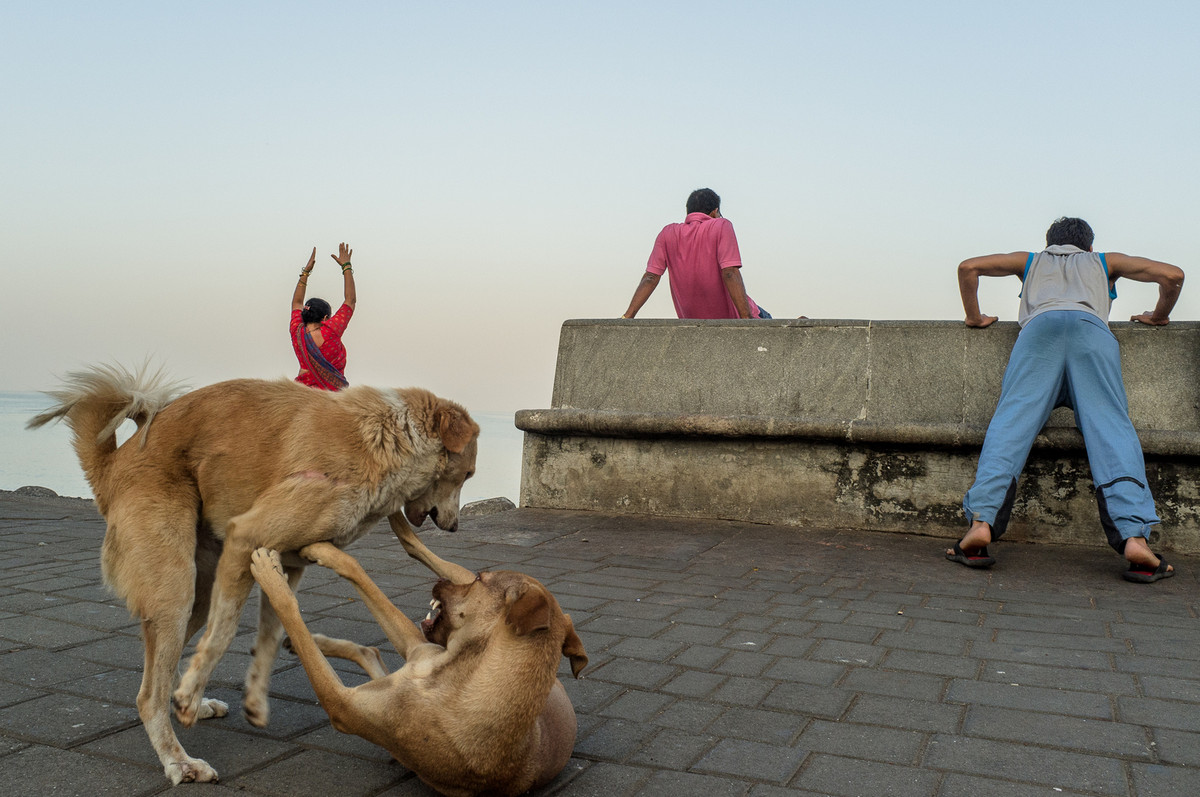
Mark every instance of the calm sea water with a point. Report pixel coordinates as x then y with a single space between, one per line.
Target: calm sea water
44 457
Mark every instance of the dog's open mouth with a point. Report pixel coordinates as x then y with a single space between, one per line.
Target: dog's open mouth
429 624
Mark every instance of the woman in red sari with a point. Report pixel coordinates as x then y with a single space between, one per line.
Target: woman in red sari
317 336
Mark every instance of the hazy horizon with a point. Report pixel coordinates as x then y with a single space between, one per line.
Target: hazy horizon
501 168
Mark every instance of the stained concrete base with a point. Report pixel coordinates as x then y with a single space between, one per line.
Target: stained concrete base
855 424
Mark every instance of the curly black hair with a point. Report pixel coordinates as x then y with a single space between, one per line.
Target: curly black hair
1070 232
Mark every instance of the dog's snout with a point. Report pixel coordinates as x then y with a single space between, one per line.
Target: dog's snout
433 513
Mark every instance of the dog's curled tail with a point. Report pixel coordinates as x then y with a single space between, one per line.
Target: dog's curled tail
95 402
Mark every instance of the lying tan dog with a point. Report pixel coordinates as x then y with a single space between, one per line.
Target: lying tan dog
220 471
477 706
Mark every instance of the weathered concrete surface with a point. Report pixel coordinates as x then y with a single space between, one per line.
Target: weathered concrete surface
859 424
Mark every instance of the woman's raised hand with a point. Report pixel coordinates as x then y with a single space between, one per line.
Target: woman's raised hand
343 255
312 261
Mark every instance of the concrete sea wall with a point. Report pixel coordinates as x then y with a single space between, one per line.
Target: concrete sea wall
848 424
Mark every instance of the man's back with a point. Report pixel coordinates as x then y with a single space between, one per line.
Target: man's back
694 253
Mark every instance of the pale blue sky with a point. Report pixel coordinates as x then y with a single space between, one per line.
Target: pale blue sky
501 167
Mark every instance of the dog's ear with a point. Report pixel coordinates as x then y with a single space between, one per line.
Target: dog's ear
573 648
528 610
455 427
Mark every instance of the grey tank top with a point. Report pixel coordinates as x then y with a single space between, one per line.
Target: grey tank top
1065 278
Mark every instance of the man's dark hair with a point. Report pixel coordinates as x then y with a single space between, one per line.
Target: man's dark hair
315 310
703 200
1069 231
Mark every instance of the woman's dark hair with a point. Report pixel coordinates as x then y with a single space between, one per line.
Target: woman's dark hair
1069 231
703 200
315 310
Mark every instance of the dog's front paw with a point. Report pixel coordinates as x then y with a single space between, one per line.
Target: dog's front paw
187 705
211 707
266 566
190 770
257 710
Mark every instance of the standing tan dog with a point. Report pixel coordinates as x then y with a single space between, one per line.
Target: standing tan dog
216 473
477 707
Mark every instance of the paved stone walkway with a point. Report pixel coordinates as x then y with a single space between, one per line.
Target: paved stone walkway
727 659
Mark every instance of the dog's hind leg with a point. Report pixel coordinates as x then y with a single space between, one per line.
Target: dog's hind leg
255 704
164 637
207 552
366 657
231 587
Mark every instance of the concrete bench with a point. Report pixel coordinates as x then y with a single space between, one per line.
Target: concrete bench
846 424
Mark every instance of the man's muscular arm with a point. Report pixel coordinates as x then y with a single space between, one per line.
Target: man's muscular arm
969 272
1142 269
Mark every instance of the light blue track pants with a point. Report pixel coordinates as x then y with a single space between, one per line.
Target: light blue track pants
1065 358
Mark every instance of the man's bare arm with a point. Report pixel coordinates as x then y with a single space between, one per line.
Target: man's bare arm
737 290
1142 269
969 272
645 287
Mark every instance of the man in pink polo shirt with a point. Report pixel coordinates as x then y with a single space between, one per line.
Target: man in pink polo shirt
702 256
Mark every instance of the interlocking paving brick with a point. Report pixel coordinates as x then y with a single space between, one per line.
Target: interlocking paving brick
957 785
1034 654
318 770
636 705
742 691
770 727
923 643
896 712
1159 713
847 738
839 776
692 683
1177 747
852 653
1054 768
615 739
1112 683
806 699
644 674
1030 698
745 663
672 784
900 683
739 758
1163 781
1186 689
933 663
689 715
673 749
1073 733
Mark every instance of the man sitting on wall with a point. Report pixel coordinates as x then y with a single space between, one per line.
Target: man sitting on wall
1065 355
702 256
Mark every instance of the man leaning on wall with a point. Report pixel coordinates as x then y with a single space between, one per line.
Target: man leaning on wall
703 263
1065 355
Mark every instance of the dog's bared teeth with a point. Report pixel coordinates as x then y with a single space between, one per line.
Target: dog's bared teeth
429 615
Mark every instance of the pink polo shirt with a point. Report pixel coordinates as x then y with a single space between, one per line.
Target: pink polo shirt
694 253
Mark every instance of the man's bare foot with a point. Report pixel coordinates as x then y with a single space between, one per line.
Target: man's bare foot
971 550
1144 566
